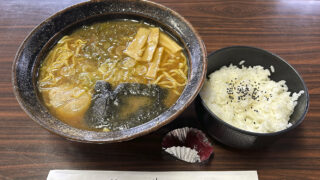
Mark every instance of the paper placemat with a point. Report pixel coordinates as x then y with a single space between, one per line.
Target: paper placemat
147 175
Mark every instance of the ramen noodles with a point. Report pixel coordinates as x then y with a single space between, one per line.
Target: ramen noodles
112 75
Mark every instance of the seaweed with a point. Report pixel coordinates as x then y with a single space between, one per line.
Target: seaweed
104 111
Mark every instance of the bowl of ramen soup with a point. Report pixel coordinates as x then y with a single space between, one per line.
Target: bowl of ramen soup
109 71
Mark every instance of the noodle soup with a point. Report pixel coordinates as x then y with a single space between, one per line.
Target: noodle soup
112 75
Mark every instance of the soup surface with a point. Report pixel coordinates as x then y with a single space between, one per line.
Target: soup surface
112 75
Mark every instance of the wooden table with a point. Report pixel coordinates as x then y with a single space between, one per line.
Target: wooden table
288 28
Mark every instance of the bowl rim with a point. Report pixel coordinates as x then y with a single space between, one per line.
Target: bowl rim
133 134
257 133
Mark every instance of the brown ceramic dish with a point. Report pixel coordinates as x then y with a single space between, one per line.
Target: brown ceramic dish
44 36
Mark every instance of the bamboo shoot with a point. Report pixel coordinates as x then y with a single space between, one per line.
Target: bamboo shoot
152 43
154 66
136 47
168 43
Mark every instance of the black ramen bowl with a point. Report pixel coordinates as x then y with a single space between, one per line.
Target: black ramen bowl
235 137
45 36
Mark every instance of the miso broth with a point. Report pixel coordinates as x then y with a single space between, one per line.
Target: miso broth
112 75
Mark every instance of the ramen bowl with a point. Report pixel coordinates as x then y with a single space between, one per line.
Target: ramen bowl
251 56
34 48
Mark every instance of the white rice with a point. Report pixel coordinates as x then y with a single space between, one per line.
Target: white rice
242 62
248 99
272 69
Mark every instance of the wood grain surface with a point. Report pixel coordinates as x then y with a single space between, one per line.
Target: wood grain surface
289 28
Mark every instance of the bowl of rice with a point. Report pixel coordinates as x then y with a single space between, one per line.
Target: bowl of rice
251 97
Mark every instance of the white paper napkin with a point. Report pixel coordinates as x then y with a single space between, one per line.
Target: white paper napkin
147 175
